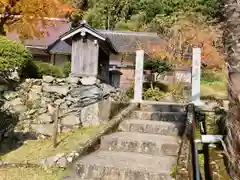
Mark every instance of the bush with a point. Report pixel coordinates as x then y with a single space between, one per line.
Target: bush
36 69
31 70
130 92
157 65
67 68
13 54
154 94
48 69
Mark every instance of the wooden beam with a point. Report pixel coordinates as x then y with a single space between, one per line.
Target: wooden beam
52 59
85 30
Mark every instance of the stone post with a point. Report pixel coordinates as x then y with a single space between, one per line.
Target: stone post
138 76
196 76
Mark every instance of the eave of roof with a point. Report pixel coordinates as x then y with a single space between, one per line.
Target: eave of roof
84 26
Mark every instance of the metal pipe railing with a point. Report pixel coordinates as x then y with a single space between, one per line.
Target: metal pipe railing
191 120
205 146
195 117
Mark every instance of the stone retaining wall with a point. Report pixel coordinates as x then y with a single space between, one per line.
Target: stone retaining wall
184 170
64 159
184 167
81 101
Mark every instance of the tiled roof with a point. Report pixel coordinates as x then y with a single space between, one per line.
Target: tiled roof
52 34
125 42
130 41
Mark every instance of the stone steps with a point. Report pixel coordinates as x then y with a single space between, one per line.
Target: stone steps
109 165
152 144
152 127
146 148
163 107
159 116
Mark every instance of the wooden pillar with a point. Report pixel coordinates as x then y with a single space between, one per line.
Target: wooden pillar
138 85
52 59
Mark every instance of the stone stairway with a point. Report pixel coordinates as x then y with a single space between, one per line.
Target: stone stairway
145 148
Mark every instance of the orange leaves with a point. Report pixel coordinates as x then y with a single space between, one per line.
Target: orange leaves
27 17
66 9
186 34
201 35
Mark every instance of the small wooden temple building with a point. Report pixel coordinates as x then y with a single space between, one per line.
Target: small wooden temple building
91 52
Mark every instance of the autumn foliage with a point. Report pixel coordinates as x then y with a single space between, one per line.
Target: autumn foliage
26 17
185 34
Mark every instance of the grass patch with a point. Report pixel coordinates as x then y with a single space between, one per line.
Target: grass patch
15 173
34 151
173 172
214 84
215 89
217 164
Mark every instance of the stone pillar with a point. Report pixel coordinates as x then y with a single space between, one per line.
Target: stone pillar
94 114
138 85
196 76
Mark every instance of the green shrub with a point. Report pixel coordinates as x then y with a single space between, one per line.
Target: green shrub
36 69
13 54
157 65
153 94
31 70
161 86
130 92
67 68
48 69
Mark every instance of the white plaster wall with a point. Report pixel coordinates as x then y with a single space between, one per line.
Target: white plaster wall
127 77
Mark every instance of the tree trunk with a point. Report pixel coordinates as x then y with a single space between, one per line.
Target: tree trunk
231 39
2 31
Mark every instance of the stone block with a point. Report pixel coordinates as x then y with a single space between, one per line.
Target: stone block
60 80
62 162
16 105
153 127
44 118
90 115
159 116
45 129
88 80
104 107
164 107
60 90
73 80
10 95
123 165
20 108
48 79
35 93
96 113
152 144
70 120
59 101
